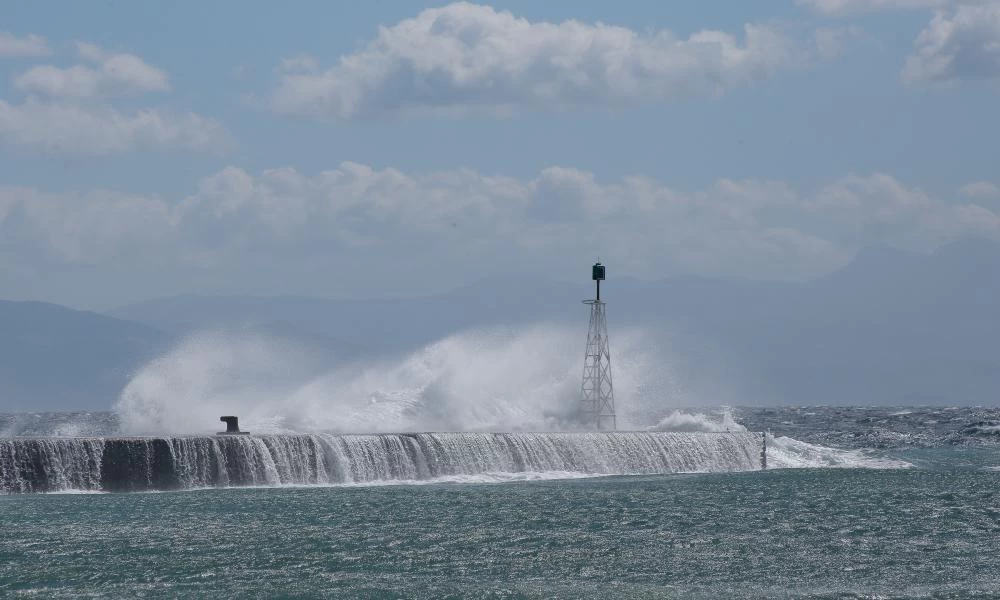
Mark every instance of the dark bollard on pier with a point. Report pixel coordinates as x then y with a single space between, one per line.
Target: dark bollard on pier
232 425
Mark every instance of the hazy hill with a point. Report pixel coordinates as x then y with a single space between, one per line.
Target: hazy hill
379 324
53 357
892 327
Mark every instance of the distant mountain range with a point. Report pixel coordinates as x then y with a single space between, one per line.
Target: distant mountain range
56 358
893 327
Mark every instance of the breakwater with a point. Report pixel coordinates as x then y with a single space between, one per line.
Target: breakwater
118 464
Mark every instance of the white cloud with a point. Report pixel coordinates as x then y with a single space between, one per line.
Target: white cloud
962 40
974 219
30 45
82 228
70 110
879 208
958 44
384 221
877 196
465 56
847 7
115 74
302 63
97 130
981 189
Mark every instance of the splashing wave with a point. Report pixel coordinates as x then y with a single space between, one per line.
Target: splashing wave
496 380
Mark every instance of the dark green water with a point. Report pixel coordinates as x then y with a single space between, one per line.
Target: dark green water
825 533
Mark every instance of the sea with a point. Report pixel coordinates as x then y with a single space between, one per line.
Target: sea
855 502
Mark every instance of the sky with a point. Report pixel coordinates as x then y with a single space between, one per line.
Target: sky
398 148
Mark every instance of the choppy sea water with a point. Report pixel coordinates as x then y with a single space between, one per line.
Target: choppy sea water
822 533
921 532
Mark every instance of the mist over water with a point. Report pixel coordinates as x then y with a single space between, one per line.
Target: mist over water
484 380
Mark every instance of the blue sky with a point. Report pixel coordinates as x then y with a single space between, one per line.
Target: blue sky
260 148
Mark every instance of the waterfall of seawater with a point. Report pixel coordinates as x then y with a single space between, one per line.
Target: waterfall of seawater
164 463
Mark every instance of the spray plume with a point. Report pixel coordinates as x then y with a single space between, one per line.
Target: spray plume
484 380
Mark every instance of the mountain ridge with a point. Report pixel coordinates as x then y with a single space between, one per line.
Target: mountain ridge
891 326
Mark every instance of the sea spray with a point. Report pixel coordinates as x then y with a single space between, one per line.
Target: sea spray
697 421
485 380
788 453
782 452
212 373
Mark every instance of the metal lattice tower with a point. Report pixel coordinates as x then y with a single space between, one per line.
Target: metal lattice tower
597 394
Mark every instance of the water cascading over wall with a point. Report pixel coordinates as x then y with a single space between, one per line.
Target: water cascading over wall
170 463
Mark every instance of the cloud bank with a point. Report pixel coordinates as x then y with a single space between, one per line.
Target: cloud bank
981 189
99 130
31 45
71 110
465 56
112 74
390 220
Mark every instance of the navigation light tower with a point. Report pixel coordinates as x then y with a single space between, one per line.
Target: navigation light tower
597 395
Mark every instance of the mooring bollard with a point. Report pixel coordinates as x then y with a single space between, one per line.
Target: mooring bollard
232 425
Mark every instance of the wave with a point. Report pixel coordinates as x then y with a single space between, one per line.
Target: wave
782 452
485 380
788 453
682 421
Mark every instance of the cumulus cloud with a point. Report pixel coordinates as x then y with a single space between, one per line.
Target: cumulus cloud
81 228
880 208
981 189
112 74
388 220
98 130
465 56
30 45
71 110
846 7
962 40
961 43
